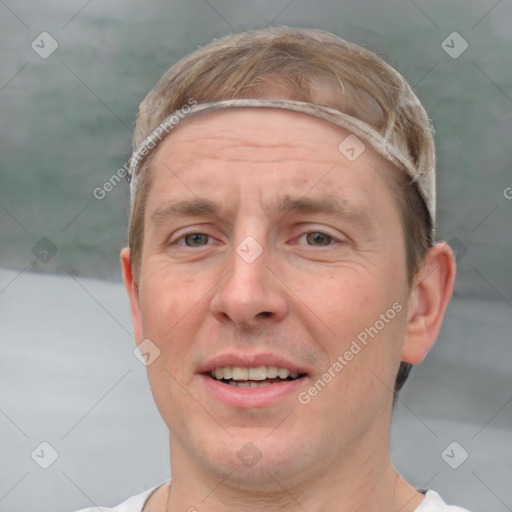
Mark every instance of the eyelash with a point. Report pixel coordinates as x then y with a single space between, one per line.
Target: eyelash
182 238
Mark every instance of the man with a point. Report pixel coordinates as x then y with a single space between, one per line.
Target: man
282 272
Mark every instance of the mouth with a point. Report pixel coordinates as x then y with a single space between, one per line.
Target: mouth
245 381
252 377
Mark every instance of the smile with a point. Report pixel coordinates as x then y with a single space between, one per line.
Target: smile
252 377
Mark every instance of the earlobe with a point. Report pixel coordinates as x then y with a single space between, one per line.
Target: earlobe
428 300
132 289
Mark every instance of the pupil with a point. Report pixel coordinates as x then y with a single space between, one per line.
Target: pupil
318 238
195 239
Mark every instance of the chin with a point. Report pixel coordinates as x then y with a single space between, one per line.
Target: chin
264 462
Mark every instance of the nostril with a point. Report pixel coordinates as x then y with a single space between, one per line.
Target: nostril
265 313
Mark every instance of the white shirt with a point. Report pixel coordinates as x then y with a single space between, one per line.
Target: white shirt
431 503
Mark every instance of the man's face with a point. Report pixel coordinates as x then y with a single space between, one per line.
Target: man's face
265 246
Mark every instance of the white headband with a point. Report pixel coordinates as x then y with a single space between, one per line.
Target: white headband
423 174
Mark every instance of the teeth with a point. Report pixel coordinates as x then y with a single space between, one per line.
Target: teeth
259 373
272 372
243 384
283 373
239 373
247 384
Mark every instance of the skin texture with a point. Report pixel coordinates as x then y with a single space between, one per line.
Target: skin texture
305 298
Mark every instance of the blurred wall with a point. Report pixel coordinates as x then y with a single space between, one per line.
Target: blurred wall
67 116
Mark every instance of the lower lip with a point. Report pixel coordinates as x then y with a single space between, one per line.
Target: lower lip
248 398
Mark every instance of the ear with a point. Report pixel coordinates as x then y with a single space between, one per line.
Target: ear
428 300
132 289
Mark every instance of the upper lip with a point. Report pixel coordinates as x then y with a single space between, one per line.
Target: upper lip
245 360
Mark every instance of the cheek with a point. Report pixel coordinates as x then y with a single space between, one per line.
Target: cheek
352 299
169 305
358 380
172 311
365 313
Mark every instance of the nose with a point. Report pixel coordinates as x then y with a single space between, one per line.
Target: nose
250 291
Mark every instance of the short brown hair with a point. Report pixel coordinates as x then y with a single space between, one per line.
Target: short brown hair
303 65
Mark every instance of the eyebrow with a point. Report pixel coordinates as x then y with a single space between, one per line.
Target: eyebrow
329 204
326 204
185 208
333 205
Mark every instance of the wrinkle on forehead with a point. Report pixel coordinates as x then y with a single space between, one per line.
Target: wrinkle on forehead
264 128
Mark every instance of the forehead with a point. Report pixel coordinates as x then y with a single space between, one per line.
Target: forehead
272 149
263 128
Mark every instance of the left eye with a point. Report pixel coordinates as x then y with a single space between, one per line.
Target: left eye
195 239
317 238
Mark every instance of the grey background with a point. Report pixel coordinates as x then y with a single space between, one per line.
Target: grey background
66 126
